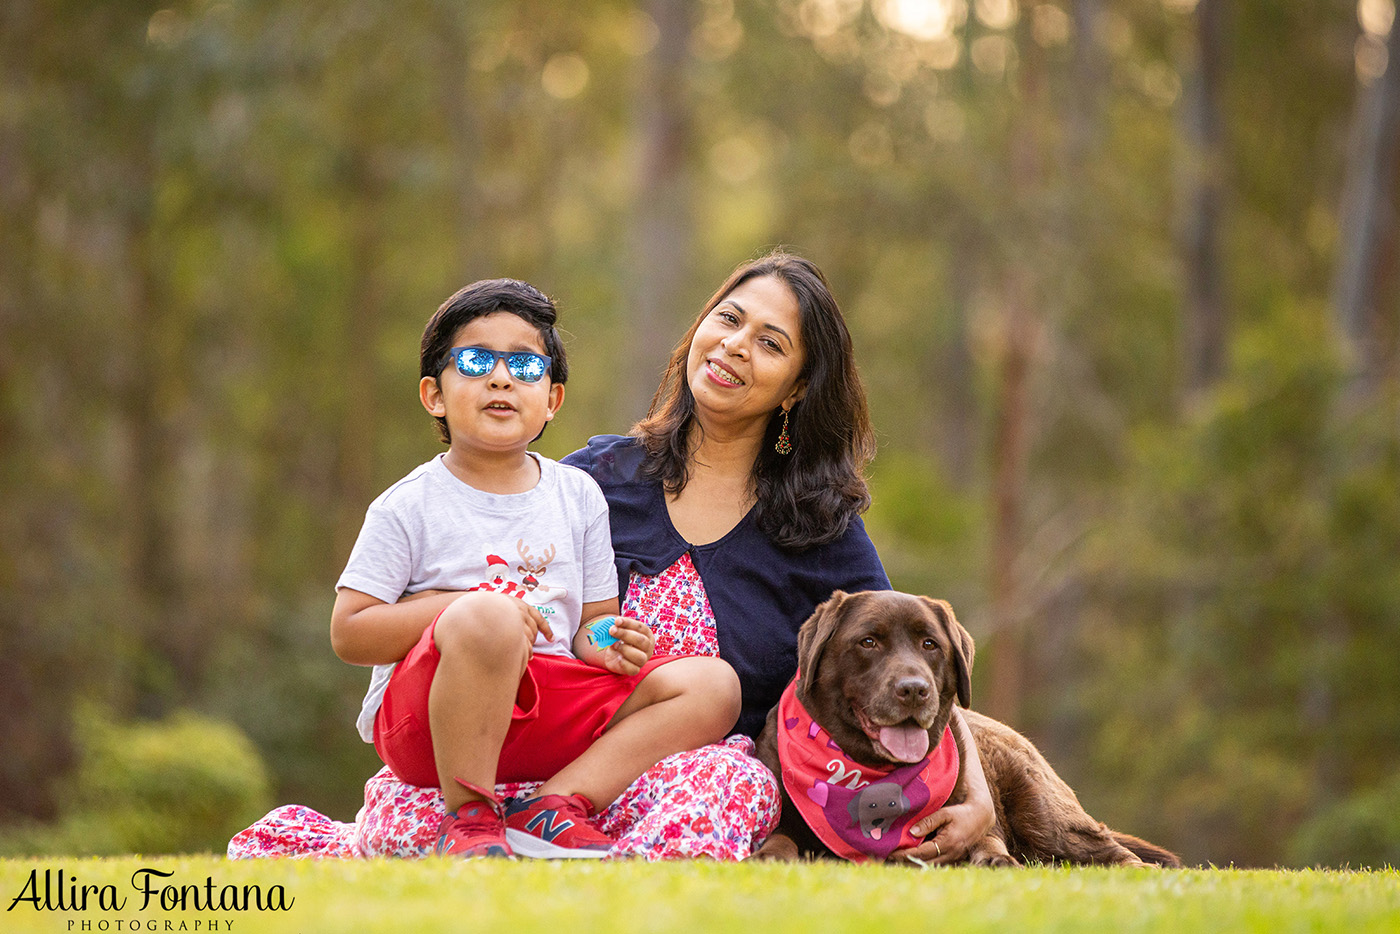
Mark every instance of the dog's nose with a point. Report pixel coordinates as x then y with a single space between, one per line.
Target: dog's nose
911 690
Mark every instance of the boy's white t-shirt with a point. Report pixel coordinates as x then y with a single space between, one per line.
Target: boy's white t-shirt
550 546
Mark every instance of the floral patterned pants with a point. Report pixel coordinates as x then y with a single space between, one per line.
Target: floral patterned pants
718 801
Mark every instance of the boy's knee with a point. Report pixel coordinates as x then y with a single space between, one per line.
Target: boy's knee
722 679
479 624
713 683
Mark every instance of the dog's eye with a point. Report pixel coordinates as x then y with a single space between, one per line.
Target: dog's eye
930 645
868 642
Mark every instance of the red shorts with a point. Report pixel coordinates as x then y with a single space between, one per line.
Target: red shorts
561 708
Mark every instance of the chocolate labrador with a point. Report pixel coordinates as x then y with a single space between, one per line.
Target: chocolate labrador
863 748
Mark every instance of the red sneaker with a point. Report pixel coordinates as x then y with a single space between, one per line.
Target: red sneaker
472 831
555 827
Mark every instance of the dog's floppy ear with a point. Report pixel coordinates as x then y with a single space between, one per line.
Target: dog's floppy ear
813 636
961 641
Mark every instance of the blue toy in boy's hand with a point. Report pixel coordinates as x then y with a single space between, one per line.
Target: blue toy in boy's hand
598 632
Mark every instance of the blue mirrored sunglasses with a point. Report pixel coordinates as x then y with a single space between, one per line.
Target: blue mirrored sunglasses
475 362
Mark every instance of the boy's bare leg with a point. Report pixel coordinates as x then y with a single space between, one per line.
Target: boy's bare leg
684 704
473 691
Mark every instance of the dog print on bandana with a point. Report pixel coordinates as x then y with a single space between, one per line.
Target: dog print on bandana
859 812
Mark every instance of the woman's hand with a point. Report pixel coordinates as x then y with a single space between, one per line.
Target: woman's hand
951 832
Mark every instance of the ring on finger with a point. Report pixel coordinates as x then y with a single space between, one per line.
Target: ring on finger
938 850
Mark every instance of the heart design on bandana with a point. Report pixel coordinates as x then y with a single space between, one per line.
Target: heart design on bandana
859 810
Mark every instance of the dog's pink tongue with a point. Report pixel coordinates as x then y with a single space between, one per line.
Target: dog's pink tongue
905 743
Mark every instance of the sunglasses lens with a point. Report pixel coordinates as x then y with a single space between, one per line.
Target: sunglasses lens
475 361
526 366
478 361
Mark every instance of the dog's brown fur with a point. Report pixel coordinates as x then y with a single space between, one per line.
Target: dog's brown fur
853 654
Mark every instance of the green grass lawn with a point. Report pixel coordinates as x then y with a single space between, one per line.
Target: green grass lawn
564 897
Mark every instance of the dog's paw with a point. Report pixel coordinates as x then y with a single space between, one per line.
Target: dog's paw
779 847
994 856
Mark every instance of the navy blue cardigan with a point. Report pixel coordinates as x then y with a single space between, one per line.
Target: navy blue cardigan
760 593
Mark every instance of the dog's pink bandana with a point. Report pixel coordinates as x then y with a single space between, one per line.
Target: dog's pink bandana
860 812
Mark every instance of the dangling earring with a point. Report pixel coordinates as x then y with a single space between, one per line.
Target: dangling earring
784 443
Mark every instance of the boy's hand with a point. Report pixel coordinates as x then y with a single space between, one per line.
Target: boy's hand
632 649
533 619
534 622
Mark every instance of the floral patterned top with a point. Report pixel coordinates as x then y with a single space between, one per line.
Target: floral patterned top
760 592
673 603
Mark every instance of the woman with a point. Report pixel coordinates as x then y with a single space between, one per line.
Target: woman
748 470
735 511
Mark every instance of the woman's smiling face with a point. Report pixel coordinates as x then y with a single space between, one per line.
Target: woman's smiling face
747 353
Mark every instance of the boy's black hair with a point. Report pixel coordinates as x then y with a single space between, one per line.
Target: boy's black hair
483 298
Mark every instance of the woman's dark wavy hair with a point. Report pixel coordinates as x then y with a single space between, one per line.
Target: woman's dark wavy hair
483 298
807 497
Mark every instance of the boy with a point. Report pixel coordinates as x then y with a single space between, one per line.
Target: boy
471 589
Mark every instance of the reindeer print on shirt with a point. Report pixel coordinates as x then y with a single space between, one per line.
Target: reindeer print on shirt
531 568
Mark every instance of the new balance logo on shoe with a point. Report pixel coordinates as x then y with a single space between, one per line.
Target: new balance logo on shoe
555 827
547 825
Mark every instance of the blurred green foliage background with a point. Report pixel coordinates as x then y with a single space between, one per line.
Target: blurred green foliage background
1122 276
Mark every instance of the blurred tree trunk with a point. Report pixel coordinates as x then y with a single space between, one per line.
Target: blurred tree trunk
36 681
1089 73
660 253
1367 219
1010 450
153 396
359 341
1011 433
17 208
1367 224
465 135
1201 185
952 428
